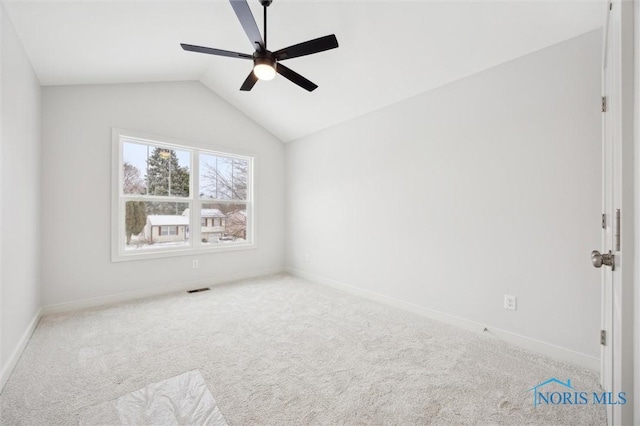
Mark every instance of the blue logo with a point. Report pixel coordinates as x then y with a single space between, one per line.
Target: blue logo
570 396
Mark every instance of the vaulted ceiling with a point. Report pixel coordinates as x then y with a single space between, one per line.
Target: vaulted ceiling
389 50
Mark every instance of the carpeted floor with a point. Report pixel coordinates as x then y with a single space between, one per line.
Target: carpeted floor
280 350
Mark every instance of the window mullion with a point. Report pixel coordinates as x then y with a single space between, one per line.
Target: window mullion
154 199
216 201
196 205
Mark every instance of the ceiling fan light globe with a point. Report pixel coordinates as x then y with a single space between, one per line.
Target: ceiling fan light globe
264 71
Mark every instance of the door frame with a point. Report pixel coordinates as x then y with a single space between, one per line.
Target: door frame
631 25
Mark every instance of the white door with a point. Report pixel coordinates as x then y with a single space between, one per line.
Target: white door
606 349
610 253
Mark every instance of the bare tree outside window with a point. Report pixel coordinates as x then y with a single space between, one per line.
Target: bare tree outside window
223 178
132 182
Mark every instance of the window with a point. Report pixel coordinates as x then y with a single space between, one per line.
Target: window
162 187
168 230
224 187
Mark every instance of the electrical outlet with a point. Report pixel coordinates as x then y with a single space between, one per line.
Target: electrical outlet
195 263
509 302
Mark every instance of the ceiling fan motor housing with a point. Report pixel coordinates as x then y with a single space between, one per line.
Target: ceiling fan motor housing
265 3
264 58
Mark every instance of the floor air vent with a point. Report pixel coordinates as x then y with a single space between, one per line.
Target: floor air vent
198 290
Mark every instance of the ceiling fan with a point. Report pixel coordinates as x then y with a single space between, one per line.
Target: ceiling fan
266 63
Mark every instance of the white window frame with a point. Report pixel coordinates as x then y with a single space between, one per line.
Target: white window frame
196 247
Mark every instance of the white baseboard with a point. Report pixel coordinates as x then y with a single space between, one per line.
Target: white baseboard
553 351
17 352
156 291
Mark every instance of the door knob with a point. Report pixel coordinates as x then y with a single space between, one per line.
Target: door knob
598 259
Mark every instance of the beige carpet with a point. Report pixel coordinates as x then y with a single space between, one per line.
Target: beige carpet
280 350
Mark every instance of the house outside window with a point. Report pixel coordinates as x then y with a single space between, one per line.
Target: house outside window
162 186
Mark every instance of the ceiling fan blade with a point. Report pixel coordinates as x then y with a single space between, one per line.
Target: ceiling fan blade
249 82
212 51
296 78
243 12
307 48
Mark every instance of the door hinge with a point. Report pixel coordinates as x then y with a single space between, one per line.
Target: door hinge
604 221
604 104
617 230
610 6
603 337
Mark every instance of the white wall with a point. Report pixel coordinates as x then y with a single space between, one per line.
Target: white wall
77 123
450 199
20 215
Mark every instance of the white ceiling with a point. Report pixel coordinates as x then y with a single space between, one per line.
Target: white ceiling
389 50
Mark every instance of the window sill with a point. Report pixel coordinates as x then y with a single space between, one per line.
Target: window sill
189 251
